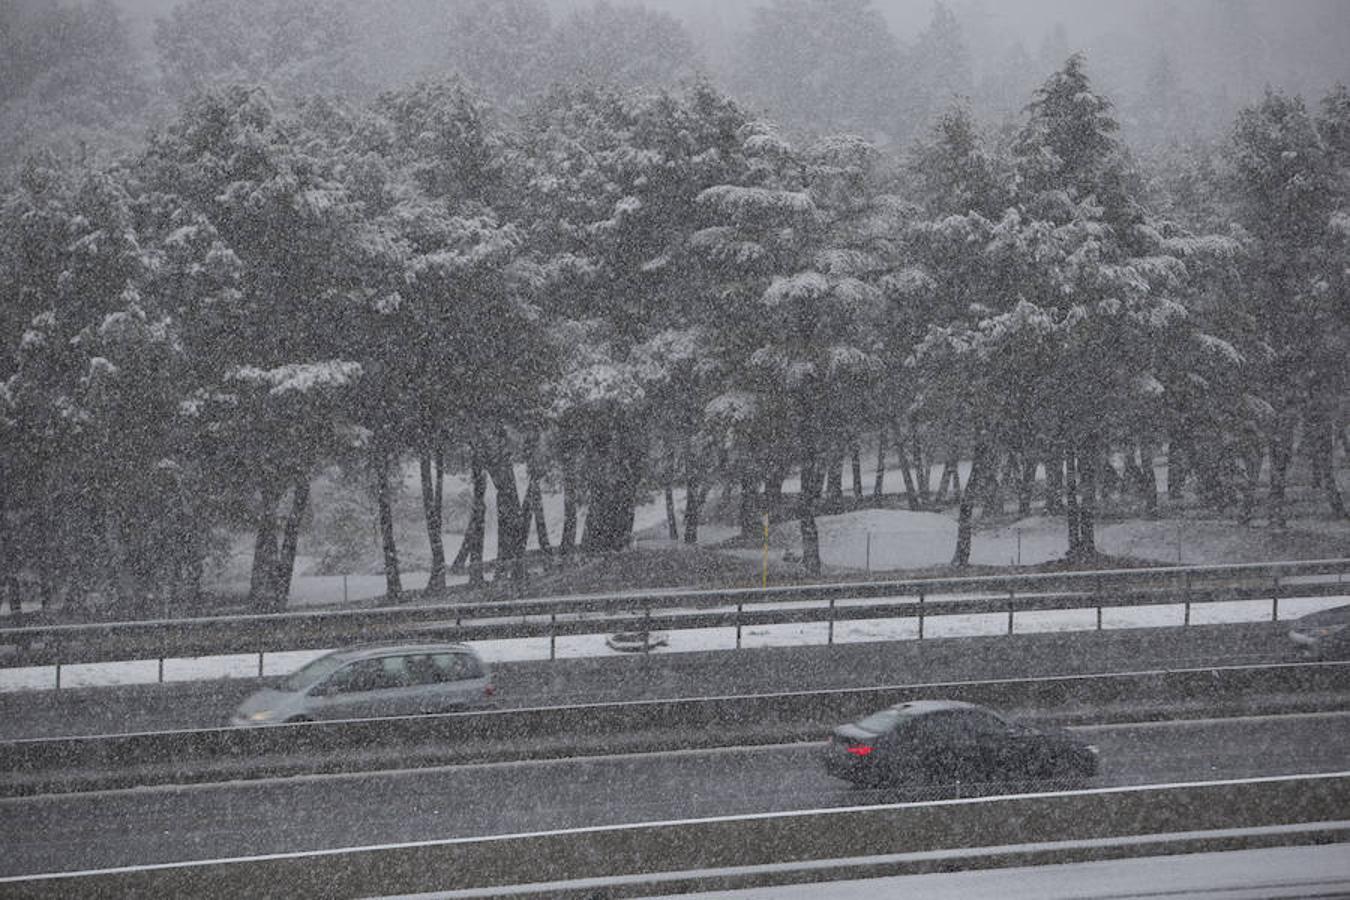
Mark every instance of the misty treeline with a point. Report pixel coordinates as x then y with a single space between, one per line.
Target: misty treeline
630 291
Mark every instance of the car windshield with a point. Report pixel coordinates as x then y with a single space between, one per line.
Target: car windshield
313 673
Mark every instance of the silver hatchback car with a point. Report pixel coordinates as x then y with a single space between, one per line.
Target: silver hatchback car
375 680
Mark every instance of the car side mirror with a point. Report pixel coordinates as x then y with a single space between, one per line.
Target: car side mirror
326 689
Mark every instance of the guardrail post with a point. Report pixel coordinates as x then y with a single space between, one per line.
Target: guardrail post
1011 600
553 637
646 629
1187 618
920 615
1275 601
58 676
738 625
260 663
829 637
161 670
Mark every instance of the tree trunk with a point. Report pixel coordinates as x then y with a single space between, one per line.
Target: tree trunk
834 478
1054 484
773 492
470 555
1176 469
262 582
1071 503
130 597
1150 482
1322 449
672 527
1281 451
1089 455
856 454
1250 462
966 510
945 482
567 543
907 475
806 514
511 534
749 507
991 485
430 471
532 507
613 493
693 508
1109 482
922 475
383 491
879 477
290 541
1026 483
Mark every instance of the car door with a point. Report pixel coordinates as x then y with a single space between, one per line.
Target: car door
460 681
425 684
946 749
349 693
367 688
998 751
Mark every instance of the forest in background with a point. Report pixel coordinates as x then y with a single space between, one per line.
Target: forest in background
255 242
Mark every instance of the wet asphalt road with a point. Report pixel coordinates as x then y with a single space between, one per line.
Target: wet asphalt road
313 812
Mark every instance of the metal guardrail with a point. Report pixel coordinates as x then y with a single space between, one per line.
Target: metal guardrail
97 762
1183 811
557 617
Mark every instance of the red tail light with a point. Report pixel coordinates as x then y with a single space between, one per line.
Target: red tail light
489 691
859 749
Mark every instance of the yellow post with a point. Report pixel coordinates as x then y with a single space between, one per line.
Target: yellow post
764 582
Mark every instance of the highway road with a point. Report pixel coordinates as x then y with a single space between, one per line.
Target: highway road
153 825
112 710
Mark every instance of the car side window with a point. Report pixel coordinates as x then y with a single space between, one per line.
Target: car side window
449 667
421 669
942 727
981 725
363 675
469 666
393 672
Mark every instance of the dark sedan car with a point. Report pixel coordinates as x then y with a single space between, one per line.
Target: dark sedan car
1325 634
936 742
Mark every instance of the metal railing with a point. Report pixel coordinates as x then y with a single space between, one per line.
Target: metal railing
555 617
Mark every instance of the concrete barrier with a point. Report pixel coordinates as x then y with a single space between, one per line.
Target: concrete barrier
726 842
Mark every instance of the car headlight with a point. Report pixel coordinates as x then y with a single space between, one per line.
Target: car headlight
261 715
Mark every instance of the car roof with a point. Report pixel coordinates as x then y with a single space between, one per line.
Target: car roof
923 707
386 648
1333 616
